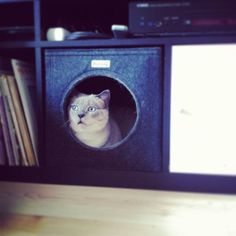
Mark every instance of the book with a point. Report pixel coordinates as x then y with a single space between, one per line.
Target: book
5 127
5 68
12 120
25 79
3 154
19 119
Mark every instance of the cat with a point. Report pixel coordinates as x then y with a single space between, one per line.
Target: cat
90 120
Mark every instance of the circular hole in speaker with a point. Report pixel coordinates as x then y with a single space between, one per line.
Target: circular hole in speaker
101 112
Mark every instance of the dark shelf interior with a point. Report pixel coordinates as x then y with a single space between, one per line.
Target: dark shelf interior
88 15
17 21
26 54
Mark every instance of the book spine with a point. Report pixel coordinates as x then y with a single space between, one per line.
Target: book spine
5 127
3 154
24 76
10 112
12 120
18 116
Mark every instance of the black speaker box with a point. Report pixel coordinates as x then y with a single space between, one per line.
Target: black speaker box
134 77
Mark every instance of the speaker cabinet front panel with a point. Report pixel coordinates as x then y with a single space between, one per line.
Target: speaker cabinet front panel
134 78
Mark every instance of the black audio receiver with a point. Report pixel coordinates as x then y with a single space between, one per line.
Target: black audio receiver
165 18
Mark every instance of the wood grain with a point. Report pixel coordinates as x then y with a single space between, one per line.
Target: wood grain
37 209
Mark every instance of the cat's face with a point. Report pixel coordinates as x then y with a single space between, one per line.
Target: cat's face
89 112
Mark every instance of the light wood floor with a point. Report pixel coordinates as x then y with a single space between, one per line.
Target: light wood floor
45 210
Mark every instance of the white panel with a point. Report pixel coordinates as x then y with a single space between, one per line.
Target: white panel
203 109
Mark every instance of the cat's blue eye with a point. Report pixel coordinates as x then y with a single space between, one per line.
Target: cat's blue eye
74 107
91 109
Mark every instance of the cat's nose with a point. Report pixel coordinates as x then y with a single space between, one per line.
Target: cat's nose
81 115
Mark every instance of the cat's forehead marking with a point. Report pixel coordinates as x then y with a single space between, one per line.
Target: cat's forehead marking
88 100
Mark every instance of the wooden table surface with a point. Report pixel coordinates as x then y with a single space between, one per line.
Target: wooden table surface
38 209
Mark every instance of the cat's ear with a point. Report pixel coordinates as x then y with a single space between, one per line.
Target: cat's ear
105 96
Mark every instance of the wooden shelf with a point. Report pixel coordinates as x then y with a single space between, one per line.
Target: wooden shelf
122 179
14 1
138 41
45 210
17 44
118 42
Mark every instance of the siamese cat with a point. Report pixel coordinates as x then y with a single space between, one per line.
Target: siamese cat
90 120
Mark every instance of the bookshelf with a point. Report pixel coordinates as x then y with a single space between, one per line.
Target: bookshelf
91 15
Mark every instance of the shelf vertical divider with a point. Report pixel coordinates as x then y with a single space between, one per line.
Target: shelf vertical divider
166 107
38 72
37 20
